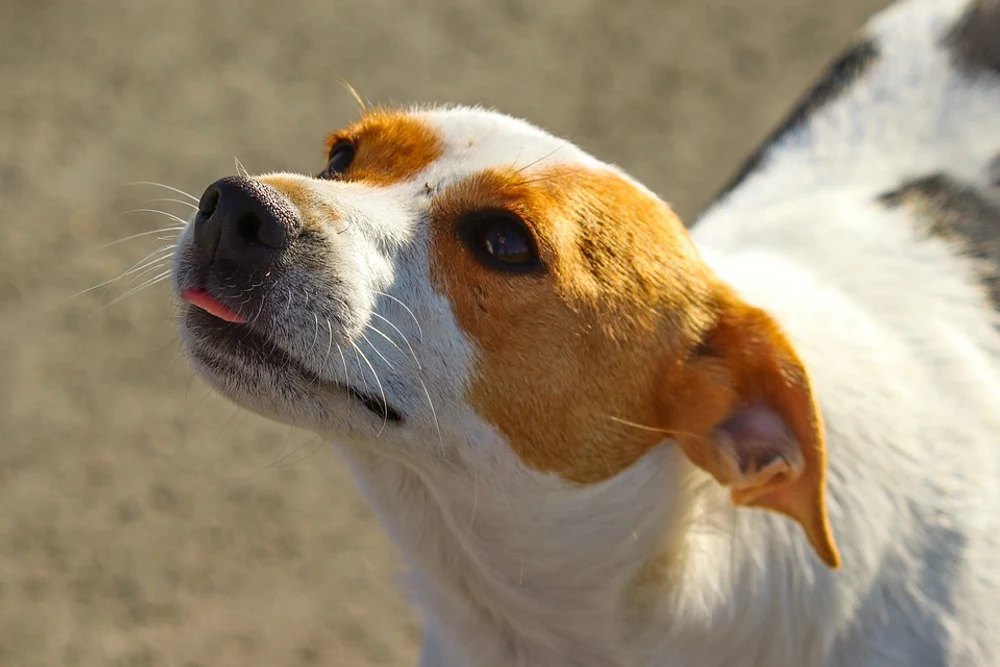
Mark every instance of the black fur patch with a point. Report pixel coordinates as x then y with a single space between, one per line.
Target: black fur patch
837 78
962 213
975 39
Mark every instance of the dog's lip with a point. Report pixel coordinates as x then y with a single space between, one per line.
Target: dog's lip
228 329
199 298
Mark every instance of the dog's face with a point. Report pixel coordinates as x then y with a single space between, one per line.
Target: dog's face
461 291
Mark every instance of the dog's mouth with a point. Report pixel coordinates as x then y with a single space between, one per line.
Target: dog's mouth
221 330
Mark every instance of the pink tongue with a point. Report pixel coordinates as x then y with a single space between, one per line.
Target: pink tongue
200 299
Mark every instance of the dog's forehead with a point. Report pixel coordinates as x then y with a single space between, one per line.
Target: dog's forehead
476 139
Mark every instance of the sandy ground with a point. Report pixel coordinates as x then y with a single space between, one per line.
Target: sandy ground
146 522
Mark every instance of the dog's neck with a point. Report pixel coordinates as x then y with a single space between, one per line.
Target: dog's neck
654 564
605 582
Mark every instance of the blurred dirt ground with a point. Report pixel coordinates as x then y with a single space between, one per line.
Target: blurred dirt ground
145 522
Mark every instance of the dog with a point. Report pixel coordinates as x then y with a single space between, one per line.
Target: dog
601 438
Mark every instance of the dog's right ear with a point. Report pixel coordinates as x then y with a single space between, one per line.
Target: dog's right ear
743 410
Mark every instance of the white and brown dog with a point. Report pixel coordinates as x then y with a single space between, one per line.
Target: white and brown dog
572 415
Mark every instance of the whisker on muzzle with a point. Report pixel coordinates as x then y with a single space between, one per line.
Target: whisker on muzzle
171 200
376 350
240 169
131 237
385 404
419 374
165 187
148 283
406 341
420 329
139 267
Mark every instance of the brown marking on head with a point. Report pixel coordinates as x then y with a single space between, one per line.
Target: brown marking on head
391 147
566 354
625 326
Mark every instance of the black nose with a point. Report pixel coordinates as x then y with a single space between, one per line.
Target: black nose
244 223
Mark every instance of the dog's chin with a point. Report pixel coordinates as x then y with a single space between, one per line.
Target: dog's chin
255 373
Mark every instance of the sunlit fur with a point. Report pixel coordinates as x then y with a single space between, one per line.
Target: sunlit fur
519 553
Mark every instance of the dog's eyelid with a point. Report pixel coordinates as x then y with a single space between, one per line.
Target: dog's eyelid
338 143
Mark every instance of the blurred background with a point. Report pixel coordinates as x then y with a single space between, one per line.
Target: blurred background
146 522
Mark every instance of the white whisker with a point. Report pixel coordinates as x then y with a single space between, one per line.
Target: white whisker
635 425
401 335
171 200
377 351
149 260
240 169
167 249
329 344
434 415
420 329
260 307
389 340
146 271
420 379
140 235
347 375
155 210
385 404
152 281
361 369
138 267
108 282
167 187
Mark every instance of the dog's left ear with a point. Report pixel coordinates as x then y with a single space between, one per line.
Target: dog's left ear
743 410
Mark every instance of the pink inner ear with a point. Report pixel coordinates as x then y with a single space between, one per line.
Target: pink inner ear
755 437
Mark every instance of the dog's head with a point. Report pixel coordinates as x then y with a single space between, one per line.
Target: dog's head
460 290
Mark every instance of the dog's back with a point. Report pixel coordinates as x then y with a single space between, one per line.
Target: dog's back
870 225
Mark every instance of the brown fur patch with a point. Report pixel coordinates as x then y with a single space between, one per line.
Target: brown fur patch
569 358
314 215
296 188
392 146
624 339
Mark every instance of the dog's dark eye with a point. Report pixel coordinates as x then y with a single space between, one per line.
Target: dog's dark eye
341 157
503 240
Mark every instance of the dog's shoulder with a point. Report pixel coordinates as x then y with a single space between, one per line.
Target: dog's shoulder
905 122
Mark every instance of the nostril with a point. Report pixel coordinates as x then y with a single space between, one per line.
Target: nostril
248 227
243 222
209 202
